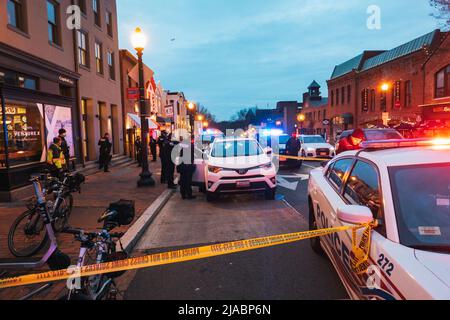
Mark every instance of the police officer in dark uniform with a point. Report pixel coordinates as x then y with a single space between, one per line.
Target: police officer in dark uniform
293 147
138 150
153 145
105 152
186 171
169 166
65 148
160 143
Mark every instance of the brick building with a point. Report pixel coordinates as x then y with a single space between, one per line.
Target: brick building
392 88
56 77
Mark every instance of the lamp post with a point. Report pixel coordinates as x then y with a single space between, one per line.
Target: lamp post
301 119
191 110
139 41
384 90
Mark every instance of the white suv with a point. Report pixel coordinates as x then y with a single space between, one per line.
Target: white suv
316 147
237 165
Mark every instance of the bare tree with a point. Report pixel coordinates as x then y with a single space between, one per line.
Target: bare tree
442 13
206 113
240 115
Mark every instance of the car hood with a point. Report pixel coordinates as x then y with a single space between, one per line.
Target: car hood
437 263
317 145
239 162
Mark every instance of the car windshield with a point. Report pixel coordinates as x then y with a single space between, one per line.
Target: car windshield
376 135
422 204
314 139
236 148
284 139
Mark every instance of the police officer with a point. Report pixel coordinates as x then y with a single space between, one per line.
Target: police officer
168 166
153 145
105 152
65 147
293 147
160 143
138 150
352 142
186 171
55 158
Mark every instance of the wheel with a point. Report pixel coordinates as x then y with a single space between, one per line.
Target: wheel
63 215
210 197
270 194
314 242
27 235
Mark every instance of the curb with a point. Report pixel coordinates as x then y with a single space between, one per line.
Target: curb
137 230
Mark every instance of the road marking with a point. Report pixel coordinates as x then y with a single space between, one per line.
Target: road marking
298 212
295 176
286 184
309 166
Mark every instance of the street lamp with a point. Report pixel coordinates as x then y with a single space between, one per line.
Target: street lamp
139 41
301 118
200 117
384 90
205 124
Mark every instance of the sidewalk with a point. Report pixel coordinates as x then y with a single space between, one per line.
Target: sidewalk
99 191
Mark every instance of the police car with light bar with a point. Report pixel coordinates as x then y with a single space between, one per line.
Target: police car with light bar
405 186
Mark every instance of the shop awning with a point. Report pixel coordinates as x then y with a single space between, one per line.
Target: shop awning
137 121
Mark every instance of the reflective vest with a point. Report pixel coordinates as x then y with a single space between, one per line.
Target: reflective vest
55 156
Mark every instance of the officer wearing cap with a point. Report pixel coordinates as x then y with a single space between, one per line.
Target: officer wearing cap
352 142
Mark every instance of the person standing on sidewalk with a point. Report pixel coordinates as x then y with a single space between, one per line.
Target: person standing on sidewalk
138 150
161 140
186 172
55 158
65 148
153 145
105 152
167 163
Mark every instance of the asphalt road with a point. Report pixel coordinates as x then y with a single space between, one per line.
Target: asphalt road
288 272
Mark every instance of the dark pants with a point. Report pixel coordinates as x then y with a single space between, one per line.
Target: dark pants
104 162
186 175
153 152
169 173
139 158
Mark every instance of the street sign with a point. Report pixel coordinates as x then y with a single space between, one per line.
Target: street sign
326 122
133 93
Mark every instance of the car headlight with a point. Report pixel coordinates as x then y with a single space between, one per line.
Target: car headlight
311 149
214 169
266 166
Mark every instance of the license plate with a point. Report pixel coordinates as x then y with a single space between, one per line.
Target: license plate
323 153
243 184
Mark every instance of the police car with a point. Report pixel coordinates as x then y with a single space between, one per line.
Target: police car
405 186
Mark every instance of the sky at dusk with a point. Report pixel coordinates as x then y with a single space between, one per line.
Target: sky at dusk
234 54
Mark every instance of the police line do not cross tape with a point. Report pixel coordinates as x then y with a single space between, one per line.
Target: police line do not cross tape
360 261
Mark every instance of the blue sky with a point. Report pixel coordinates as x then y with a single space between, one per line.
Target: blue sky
234 54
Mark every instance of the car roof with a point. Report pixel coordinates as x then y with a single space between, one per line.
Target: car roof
406 156
230 139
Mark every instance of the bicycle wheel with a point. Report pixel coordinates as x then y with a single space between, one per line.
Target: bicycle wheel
63 215
27 235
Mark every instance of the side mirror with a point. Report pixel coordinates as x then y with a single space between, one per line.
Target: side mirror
355 214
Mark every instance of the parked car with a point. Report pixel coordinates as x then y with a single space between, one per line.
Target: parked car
315 146
236 165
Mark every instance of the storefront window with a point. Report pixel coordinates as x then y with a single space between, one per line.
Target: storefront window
25 133
443 83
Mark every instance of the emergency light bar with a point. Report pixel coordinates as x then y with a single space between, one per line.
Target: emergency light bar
404 143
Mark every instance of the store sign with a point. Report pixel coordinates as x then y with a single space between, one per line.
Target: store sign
133 93
365 100
169 111
397 95
66 80
326 122
15 110
445 109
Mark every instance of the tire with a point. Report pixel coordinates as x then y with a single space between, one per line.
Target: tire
62 223
37 238
314 242
271 194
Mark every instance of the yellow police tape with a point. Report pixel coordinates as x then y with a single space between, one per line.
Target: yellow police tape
360 259
301 158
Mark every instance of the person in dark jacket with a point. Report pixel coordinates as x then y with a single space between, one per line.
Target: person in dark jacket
65 147
138 150
186 172
153 145
160 143
168 166
352 142
293 147
105 152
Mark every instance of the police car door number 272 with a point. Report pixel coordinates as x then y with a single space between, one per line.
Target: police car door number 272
385 264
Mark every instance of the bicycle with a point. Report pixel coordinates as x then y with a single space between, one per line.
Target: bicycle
53 257
100 247
27 235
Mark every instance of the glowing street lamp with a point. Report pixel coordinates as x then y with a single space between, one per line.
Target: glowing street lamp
200 117
205 124
301 118
384 89
139 41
